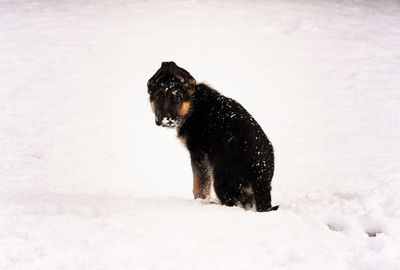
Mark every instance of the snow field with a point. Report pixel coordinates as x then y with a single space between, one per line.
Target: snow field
88 181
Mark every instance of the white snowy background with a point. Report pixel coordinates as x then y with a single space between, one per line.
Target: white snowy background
88 181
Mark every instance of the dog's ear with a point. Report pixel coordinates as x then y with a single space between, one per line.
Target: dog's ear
171 69
153 80
149 86
189 83
162 72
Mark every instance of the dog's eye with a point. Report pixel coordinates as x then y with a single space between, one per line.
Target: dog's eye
158 95
176 99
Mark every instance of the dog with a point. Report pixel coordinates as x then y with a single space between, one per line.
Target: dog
226 145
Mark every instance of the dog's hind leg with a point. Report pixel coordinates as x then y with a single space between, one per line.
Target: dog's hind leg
226 188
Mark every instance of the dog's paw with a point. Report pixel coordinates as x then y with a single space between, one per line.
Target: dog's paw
207 201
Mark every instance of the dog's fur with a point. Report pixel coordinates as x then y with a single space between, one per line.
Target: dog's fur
225 143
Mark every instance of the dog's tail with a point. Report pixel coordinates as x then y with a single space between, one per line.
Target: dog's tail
273 208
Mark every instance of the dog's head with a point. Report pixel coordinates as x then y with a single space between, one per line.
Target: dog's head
170 90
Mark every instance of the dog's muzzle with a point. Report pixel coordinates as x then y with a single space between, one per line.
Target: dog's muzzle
166 122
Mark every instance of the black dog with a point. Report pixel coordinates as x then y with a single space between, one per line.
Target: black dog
225 143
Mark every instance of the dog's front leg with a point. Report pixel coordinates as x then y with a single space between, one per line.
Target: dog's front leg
201 175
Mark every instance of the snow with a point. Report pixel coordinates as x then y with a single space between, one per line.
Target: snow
88 181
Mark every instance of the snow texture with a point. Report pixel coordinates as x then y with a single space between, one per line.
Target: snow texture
88 181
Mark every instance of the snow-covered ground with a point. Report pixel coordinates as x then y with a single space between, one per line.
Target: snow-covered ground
88 181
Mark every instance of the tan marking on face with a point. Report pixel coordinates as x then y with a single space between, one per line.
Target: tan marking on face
184 108
192 88
153 106
191 91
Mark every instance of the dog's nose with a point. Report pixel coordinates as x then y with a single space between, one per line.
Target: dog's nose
158 119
